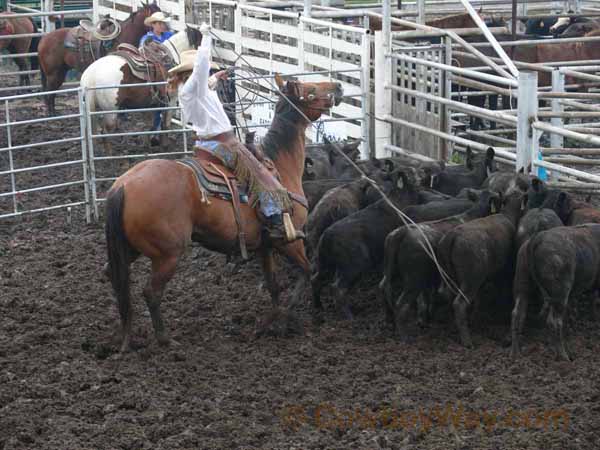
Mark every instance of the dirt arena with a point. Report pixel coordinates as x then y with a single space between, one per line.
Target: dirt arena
336 386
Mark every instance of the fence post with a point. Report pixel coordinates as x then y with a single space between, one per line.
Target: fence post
421 12
383 78
365 103
47 24
445 122
527 110
383 99
307 8
558 85
89 130
84 154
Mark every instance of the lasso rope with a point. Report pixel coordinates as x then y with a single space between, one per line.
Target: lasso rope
424 242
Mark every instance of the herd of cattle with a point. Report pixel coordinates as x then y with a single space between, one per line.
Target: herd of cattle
476 225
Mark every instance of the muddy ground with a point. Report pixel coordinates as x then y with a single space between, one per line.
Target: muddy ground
336 386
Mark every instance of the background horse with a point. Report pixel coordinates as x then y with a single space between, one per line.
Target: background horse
462 20
56 59
17 45
113 70
156 208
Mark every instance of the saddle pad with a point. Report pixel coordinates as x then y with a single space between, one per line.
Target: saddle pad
214 185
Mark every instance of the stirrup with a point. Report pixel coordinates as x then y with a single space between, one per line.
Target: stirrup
291 233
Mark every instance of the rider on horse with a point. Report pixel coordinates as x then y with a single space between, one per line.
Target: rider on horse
203 109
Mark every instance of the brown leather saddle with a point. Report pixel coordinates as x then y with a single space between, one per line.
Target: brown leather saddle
82 39
150 63
218 181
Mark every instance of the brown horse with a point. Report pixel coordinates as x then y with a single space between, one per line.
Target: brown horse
156 208
463 20
56 59
18 45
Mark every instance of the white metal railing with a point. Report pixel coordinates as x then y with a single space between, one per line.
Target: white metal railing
95 166
16 160
47 26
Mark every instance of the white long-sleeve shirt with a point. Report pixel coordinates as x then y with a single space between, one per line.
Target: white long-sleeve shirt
201 105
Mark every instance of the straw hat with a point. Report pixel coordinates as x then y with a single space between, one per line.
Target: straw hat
188 58
158 16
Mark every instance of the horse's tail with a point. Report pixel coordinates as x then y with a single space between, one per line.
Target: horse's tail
33 47
119 251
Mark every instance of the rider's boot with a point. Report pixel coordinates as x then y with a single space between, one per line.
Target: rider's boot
281 230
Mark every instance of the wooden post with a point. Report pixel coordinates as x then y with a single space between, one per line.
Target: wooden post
526 114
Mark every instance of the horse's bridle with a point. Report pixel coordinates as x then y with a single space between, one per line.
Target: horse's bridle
305 95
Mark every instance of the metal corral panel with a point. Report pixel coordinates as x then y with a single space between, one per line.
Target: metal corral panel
412 109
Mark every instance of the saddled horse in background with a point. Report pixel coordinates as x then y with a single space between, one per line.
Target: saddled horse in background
56 59
126 67
18 45
156 208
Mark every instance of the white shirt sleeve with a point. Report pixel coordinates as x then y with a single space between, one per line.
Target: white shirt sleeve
197 84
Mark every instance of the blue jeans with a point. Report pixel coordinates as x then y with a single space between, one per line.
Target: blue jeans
267 205
156 121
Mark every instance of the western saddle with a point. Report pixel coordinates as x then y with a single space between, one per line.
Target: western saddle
148 63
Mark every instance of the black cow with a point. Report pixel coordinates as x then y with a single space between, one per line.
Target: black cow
441 208
340 202
354 245
451 183
534 221
560 262
410 269
477 251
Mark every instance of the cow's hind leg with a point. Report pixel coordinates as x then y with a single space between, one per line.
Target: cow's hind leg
384 294
461 307
163 269
519 313
402 307
556 320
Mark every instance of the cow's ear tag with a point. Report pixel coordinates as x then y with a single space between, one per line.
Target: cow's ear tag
400 183
493 207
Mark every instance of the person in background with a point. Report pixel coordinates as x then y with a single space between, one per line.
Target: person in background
160 32
203 109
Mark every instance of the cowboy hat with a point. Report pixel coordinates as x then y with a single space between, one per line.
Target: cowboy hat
158 16
188 58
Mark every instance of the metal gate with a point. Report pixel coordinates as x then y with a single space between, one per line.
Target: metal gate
429 80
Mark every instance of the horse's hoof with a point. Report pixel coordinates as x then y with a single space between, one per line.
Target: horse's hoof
164 340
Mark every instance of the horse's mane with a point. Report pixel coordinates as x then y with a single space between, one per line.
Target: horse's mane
283 129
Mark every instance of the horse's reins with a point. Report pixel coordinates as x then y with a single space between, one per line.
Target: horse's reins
425 243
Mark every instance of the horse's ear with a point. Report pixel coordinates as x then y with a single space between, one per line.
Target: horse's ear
279 81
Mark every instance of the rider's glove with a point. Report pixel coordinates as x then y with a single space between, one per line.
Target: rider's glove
205 28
